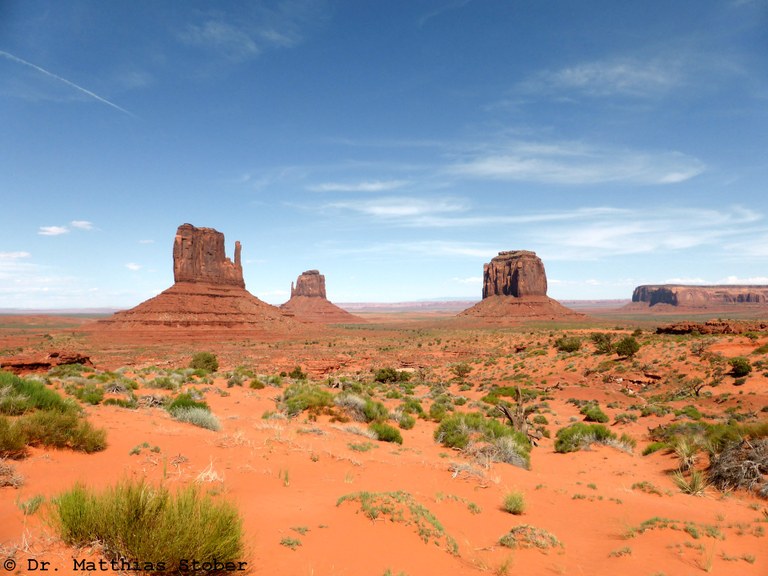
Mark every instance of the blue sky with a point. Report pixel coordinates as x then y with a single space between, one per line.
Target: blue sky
394 145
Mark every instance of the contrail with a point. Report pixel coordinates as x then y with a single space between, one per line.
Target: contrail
67 82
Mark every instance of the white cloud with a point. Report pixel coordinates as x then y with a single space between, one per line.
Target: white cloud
133 266
620 76
366 186
11 256
52 230
471 280
577 163
685 281
402 207
82 224
750 280
424 248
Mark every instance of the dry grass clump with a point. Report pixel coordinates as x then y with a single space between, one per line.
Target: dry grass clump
9 476
137 520
527 536
741 465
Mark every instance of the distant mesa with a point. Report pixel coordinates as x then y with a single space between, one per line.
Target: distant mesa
687 296
309 302
208 291
515 288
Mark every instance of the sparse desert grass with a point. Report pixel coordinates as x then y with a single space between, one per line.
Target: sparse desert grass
137 520
196 416
386 433
527 536
56 429
514 503
579 435
402 507
305 396
9 476
289 542
29 507
695 484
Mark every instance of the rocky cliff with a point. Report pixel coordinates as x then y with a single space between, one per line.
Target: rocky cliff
515 289
699 296
198 256
310 283
309 303
514 273
209 291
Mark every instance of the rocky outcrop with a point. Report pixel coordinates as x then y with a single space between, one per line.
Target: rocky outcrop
712 327
209 291
310 284
38 363
198 256
309 303
698 296
515 289
514 273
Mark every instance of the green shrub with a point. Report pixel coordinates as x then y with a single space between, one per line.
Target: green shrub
581 435
603 342
568 344
412 406
131 403
514 503
185 400
13 440
461 370
406 421
627 347
593 413
62 430
740 366
205 361
35 394
139 521
503 443
374 411
386 433
297 374
304 396
389 374
89 393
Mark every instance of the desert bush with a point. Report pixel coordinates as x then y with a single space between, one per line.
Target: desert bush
461 370
13 440
412 406
129 403
740 366
386 433
695 485
603 342
568 344
593 413
62 430
185 400
138 521
406 421
197 416
304 396
32 395
467 431
440 408
390 374
374 411
297 373
627 347
514 503
89 393
580 435
9 476
527 536
204 361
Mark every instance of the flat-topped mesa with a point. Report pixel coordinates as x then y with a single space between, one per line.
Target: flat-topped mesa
514 273
699 296
198 256
310 283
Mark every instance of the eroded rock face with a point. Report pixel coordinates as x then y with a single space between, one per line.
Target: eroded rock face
514 273
699 296
310 283
198 256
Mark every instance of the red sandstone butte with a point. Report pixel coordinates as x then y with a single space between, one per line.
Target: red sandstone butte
515 288
698 296
309 302
208 291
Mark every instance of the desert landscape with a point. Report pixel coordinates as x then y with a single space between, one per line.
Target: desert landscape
517 436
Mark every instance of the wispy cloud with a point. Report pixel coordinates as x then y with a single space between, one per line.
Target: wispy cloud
13 256
52 230
402 207
366 186
80 89
81 224
638 231
603 78
422 249
577 164
132 266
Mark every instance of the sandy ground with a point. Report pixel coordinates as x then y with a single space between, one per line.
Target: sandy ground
286 476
